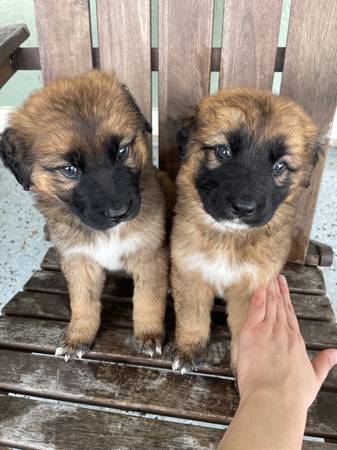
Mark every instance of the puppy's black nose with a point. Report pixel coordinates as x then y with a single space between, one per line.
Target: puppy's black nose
243 208
116 212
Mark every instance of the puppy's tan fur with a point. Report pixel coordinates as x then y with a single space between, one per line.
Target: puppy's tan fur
81 112
251 257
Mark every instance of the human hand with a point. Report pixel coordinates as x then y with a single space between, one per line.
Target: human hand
272 358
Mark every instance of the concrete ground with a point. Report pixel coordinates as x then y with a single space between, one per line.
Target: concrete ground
22 246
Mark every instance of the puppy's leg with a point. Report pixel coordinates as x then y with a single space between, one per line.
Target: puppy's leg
85 283
193 302
238 298
150 275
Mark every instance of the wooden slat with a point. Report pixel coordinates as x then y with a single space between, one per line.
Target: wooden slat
310 78
27 423
156 391
28 58
249 45
64 36
117 311
6 71
185 31
116 344
124 35
11 37
318 254
48 281
301 279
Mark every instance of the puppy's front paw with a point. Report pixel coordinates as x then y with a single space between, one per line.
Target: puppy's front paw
71 349
149 344
183 364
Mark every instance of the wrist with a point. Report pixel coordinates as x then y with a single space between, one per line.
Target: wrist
271 397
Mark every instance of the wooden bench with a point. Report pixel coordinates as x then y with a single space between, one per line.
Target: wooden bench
116 397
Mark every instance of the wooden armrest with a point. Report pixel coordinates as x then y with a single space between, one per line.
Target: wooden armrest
11 37
319 254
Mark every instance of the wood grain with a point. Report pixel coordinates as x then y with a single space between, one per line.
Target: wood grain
124 35
155 391
29 59
27 423
6 71
48 281
249 43
310 78
117 344
117 311
185 31
301 279
11 37
64 37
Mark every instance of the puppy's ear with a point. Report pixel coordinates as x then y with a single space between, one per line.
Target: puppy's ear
13 152
315 150
185 128
146 127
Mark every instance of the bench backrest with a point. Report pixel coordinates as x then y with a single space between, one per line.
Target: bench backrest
185 59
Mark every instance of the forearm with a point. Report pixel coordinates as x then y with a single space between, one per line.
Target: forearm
263 422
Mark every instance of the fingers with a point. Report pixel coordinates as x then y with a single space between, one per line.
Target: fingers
323 363
257 309
281 315
289 309
271 306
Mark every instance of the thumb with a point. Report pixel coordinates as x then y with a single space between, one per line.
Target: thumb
323 363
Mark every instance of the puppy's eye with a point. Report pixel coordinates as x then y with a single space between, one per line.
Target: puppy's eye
223 152
70 171
279 167
123 152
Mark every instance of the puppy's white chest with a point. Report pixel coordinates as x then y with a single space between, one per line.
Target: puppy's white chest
219 271
108 251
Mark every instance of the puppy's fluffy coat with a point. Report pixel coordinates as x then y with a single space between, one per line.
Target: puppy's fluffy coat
246 156
80 145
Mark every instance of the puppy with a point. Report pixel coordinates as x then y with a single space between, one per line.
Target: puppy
246 156
80 145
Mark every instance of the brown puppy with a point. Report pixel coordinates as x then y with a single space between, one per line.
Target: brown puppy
246 156
80 145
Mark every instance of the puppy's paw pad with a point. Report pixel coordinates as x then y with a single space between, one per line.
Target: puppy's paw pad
183 365
69 351
150 346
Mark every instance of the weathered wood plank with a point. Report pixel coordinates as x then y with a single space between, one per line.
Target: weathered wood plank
48 281
11 37
310 78
324 251
117 310
118 345
27 423
301 279
185 32
249 43
6 71
29 59
124 35
156 391
64 36
304 279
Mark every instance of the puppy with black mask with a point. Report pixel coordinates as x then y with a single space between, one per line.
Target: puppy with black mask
80 145
246 157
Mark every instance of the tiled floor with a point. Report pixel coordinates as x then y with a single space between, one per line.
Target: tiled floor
21 237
